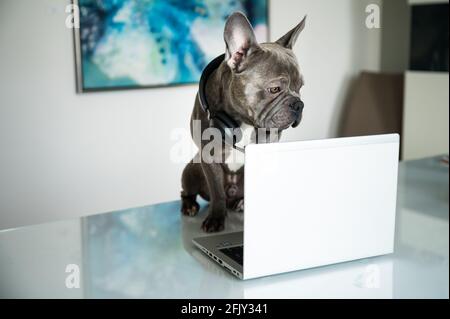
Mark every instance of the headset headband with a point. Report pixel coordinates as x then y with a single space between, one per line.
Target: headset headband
220 120
210 68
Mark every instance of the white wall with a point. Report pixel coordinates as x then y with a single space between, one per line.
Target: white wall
425 115
65 155
334 46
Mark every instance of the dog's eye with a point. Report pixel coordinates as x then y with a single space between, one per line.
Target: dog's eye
275 89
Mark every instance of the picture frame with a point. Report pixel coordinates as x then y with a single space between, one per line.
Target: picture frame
129 44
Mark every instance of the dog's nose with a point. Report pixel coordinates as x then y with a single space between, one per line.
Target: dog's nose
297 106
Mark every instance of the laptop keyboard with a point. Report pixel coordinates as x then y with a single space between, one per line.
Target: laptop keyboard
236 253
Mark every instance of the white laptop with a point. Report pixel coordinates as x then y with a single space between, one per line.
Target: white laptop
310 204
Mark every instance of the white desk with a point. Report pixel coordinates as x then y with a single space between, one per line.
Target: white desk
147 252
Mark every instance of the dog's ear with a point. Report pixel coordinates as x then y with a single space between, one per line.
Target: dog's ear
288 40
240 40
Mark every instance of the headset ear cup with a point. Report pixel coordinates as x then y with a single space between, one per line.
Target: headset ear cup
237 135
225 131
231 133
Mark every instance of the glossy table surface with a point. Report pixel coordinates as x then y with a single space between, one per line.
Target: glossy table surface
147 253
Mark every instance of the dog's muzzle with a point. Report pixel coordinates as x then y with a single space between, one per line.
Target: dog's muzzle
284 114
297 107
289 115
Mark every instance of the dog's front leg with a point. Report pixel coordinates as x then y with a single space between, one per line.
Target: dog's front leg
214 175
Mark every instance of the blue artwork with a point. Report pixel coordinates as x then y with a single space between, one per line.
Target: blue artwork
144 43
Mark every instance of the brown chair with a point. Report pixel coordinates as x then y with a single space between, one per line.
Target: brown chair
374 105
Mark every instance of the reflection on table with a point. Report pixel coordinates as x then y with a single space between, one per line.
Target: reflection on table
147 253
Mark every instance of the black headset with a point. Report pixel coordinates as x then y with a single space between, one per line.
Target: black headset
228 127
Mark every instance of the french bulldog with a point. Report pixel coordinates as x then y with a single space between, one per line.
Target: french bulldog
258 85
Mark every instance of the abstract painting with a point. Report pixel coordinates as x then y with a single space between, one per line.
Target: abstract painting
148 43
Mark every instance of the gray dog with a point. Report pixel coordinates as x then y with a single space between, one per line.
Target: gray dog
258 85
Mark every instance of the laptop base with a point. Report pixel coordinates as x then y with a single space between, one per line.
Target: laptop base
225 249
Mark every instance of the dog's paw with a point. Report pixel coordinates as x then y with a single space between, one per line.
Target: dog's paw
189 207
239 206
213 224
